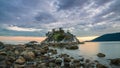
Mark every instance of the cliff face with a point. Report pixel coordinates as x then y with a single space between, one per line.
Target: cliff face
108 37
60 36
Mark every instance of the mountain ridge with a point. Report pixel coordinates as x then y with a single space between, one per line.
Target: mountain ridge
108 37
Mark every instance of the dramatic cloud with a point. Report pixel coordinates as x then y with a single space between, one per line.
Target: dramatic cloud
16 28
81 17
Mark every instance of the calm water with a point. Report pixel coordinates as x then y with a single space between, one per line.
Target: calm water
90 49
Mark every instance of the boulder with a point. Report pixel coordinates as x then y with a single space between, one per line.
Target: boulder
10 60
16 52
2 58
101 55
76 61
73 47
66 59
20 60
115 61
28 55
31 43
3 53
54 52
43 51
1 45
101 66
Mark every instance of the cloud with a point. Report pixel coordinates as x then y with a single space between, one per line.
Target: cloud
44 17
68 4
82 17
16 28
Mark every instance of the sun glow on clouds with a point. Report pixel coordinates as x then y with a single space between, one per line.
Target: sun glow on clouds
87 38
81 17
16 28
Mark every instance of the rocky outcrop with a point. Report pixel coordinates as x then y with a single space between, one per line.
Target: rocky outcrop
101 66
60 36
73 47
115 61
101 55
1 45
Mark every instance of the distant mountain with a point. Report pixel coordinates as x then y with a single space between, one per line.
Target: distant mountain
108 37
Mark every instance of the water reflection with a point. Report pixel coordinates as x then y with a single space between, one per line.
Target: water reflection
89 49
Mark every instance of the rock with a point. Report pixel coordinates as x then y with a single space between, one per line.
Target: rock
16 52
60 37
28 55
10 53
31 43
76 61
1 45
115 61
101 55
52 65
73 47
10 60
101 66
87 61
3 53
58 61
54 52
66 59
2 58
20 60
19 66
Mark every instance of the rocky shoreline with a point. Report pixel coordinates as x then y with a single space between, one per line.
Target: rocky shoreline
42 56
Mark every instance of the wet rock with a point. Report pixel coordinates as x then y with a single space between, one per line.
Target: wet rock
52 65
87 61
20 60
19 66
30 64
43 51
31 43
64 55
42 65
54 52
73 47
76 61
58 61
2 57
3 53
10 53
1 45
115 61
101 66
28 55
37 53
3 64
66 59
101 55
46 48
10 60
17 52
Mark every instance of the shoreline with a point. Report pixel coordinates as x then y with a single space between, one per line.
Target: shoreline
43 54
39 39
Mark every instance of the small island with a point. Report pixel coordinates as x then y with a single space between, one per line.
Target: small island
59 36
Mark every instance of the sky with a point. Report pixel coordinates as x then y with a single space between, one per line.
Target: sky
80 17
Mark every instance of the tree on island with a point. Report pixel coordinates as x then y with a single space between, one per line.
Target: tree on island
59 36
